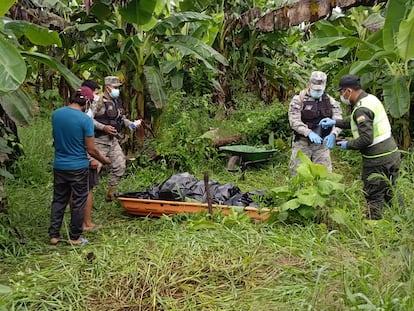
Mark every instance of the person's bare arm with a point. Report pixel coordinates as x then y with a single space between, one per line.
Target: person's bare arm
91 149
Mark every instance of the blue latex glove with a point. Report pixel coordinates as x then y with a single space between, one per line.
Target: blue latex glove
329 141
342 143
327 123
132 126
315 138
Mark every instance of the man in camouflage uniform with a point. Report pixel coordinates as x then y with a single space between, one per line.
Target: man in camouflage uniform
306 110
109 120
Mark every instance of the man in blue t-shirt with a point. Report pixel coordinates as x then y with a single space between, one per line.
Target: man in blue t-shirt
73 139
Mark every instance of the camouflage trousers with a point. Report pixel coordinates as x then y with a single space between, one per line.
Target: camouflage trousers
318 153
113 151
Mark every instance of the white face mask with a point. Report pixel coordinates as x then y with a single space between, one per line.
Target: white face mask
89 113
345 100
96 98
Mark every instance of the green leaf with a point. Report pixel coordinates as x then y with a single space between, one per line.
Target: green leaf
365 51
374 21
282 216
304 173
326 29
177 80
18 105
339 216
405 38
4 148
310 196
138 12
177 20
395 13
101 11
87 26
5 173
155 86
188 45
318 170
359 67
5 5
303 157
322 42
168 66
37 35
339 53
307 212
282 191
52 63
12 67
266 60
397 96
307 195
290 205
334 177
203 224
343 42
191 5
327 187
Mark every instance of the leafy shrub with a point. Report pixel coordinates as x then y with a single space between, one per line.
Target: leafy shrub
310 195
183 121
255 121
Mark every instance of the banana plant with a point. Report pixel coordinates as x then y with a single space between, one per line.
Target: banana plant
382 58
14 98
149 47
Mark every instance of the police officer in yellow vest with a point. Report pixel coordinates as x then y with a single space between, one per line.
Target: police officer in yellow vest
372 135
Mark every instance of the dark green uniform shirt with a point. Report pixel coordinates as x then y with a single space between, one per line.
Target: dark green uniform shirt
364 118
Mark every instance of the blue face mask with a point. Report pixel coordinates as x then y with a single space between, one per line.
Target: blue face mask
114 93
316 93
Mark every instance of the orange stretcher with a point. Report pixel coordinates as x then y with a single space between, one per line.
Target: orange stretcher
157 208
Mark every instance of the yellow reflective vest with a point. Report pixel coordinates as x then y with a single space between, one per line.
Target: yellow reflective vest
381 124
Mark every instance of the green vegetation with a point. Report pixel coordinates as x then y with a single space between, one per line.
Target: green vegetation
193 262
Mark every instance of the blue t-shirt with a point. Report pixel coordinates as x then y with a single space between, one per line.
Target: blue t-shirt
70 127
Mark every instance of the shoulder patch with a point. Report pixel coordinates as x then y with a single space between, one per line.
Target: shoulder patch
360 119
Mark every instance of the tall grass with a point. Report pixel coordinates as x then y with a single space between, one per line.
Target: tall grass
192 262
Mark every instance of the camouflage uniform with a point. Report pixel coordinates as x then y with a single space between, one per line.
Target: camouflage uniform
302 125
109 111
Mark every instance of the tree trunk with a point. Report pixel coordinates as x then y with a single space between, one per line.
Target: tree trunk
305 11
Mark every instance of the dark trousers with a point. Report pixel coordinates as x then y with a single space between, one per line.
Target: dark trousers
67 183
378 189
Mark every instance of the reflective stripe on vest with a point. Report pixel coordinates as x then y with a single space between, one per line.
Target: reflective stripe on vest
382 127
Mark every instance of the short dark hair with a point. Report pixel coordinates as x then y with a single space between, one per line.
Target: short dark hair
93 85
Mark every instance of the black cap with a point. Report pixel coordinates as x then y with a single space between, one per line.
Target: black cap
91 84
350 81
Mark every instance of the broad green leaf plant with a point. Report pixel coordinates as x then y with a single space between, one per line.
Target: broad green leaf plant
149 44
13 69
379 50
311 195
